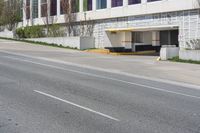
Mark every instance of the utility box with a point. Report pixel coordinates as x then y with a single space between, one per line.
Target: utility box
168 52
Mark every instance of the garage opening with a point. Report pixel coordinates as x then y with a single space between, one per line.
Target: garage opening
137 39
169 37
153 40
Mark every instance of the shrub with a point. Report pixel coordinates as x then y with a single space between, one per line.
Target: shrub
30 32
20 33
55 30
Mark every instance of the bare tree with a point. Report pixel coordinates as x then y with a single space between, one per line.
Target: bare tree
27 10
1 15
11 14
68 9
87 26
45 12
45 7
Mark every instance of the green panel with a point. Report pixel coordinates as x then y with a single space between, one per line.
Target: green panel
85 5
35 8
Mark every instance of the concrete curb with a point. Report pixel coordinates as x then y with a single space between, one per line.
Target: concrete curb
106 51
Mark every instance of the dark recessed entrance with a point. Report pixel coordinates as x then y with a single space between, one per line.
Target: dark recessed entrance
169 37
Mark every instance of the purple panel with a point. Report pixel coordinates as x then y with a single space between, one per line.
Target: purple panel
89 5
116 3
131 2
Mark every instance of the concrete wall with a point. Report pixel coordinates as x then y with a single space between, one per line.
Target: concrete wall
73 42
188 23
117 39
147 37
189 54
6 34
123 11
113 39
168 52
86 42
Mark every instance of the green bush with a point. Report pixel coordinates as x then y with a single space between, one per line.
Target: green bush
20 33
30 32
55 31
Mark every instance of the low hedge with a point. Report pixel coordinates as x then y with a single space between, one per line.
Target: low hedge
37 31
30 32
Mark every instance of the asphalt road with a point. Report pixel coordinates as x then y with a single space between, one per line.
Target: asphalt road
38 96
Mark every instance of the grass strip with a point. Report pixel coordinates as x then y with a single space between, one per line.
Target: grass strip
177 59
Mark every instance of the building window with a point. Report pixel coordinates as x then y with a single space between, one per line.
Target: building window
27 9
65 6
75 6
152 0
35 8
53 7
44 8
132 2
101 4
21 9
87 5
116 3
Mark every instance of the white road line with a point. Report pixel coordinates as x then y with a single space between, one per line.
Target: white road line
76 105
103 77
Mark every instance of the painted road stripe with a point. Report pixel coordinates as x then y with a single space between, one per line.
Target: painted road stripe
76 105
103 77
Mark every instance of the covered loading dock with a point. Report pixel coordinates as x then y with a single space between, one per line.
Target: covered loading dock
141 38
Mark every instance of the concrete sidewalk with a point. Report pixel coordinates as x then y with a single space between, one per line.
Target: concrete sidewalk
137 66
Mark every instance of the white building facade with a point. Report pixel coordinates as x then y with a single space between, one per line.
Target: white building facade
131 24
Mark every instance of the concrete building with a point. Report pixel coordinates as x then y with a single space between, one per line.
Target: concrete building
130 24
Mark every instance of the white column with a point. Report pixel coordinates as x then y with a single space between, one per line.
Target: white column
58 7
125 3
24 12
127 40
48 7
155 38
39 9
94 5
80 5
108 4
31 12
144 1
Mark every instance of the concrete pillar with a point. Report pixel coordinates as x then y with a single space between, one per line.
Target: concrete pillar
94 5
127 40
125 3
144 1
48 7
81 5
31 9
155 38
39 9
24 12
58 7
108 4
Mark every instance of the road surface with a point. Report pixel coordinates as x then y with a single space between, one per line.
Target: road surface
39 96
